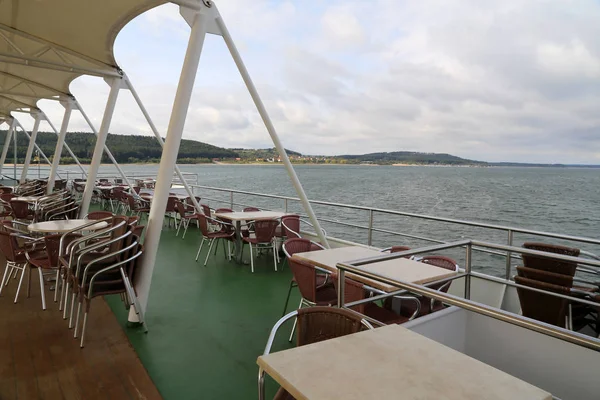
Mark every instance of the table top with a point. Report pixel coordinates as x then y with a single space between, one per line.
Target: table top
64 225
251 215
30 199
390 362
400 269
150 196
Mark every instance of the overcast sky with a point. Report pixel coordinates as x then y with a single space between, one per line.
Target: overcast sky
509 80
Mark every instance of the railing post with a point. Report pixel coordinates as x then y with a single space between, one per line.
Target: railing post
370 233
231 200
508 255
468 271
286 205
341 288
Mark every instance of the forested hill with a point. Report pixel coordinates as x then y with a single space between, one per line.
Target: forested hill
411 157
125 148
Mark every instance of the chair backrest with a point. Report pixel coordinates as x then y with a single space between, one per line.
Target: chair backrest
20 208
265 230
189 201
291 226
6 190
8 246
117 245
250 209
305 276
180 209
138 230
299 245
540 306
137 189
7 197
545 276
171 201
203 222
547 264
53 246
132 220
315 324
223 210
398 249
442 262
205 210
99 215
353 291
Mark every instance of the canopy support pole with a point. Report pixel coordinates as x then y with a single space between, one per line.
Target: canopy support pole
188 189
36 146
16 149
169 155
106 149
34 132
66 146
115 85
270 128
7 139
59 144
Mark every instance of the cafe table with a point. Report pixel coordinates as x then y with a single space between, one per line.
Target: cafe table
400 269
391 362
61 226
237 217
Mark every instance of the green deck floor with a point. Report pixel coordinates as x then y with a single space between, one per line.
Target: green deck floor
208 324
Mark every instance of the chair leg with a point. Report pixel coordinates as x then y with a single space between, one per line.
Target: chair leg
216 246
274 257
56 285
200 248
295 320
42 292
209 249
77 317
251 259
20 282
287 299
185 230
85 316
28 280
66 291
73 297
8 267
177 233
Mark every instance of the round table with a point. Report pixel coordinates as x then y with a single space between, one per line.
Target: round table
62 226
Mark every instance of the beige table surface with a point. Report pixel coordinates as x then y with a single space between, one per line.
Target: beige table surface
64 225
401 269
251 215
390 363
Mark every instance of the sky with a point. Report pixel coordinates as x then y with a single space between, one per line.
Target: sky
509 80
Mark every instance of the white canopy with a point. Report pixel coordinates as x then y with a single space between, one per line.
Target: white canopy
45 44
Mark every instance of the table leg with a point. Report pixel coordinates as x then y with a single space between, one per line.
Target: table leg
238 241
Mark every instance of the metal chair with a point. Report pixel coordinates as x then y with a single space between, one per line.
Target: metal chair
315 324
15 259
184 217
264 231
226 231
95 215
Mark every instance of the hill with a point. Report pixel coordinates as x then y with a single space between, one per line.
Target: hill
125 148
409 157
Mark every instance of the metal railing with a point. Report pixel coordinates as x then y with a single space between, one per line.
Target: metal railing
370 228
354 267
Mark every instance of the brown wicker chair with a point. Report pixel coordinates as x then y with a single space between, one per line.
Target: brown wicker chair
315 324
15 259
547 264
300 245
21 210
250 209
429 305
264 237
170 211
540 306
290 226
99 215
212 236
185 217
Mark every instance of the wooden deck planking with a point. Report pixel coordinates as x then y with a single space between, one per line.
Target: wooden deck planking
40 359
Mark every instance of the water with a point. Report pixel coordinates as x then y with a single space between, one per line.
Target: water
561 200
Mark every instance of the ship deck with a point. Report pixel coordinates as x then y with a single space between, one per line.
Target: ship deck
207 325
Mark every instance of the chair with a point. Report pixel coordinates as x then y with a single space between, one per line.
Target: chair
356 291
5 190
222 233
139 207
99 215
540 306
264 238
170 209
21 210
315 324
15 260
290 226
429 305
184 217
251 209
300 245
547 264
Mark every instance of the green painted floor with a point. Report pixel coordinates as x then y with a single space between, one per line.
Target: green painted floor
208 324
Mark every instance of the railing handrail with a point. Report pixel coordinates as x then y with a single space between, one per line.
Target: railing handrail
581 239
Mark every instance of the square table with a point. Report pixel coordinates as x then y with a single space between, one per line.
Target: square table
390 363
401 269
238 217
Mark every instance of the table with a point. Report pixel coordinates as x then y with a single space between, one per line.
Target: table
62 226
401 269
238 217
390 363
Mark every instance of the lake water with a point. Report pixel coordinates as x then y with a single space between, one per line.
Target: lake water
561 200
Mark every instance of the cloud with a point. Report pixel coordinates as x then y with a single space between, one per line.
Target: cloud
496 80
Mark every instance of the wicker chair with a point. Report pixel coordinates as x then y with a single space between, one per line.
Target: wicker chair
315 324
184 217
99 215
170 211
250 209
540 306
15 260
21 210
212 236
300 245
547 264
264 238
428 305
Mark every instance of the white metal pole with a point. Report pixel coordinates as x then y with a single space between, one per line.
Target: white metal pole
32 138
67 147
169 157
106 149
16 149
115 85
36 146
9 134
270 128
59 145
161 141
